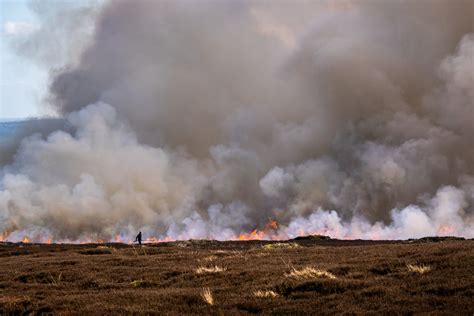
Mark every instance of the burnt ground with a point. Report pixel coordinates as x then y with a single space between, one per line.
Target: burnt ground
358 277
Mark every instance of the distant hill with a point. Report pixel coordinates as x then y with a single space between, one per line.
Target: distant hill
22 128
11 132
7 129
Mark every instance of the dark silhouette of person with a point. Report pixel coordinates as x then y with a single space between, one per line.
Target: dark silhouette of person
139 238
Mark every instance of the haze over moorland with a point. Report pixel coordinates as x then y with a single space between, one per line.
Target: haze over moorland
187 119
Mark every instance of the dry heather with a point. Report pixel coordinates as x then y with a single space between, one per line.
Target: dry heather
114 279
309 273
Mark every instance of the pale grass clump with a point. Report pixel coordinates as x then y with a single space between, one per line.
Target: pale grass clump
280 245
420 269
265 294
207 296
310 273
137 283
214 269
209 258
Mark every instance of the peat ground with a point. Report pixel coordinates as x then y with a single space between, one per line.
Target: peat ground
307 276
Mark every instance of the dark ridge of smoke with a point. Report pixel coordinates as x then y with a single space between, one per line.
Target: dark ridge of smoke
180 62
220 115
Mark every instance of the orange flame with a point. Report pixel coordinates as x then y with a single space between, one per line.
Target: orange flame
49 241
269 232
151 240
254 235
272 224
445 230
154 240
25 240
4 235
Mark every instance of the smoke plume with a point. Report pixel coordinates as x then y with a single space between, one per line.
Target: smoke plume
206 119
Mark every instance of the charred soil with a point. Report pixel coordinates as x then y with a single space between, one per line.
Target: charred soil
297 277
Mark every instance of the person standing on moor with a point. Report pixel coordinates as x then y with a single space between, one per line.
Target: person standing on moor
139 238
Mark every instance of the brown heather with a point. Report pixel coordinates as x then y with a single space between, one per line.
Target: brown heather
370 277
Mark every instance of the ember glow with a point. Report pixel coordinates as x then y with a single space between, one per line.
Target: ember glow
446 230
246 120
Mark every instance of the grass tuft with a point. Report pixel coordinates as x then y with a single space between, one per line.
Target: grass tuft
207 296
214 269
55 281
420 269
280 245
265 294
310 273
137 283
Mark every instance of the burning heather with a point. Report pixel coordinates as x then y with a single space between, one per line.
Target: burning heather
245 120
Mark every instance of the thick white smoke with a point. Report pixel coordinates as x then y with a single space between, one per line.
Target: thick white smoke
205 120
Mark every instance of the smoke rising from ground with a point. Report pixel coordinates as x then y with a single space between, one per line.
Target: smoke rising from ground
204 120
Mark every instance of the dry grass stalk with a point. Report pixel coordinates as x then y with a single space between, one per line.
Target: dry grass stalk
207 296
420 269
265 294
310 273
55 281
214 269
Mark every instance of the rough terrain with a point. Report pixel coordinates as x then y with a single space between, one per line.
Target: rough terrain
305 276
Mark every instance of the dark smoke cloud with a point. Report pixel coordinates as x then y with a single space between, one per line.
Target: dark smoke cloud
204 119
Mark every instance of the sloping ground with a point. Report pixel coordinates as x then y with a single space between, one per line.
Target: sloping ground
299 277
